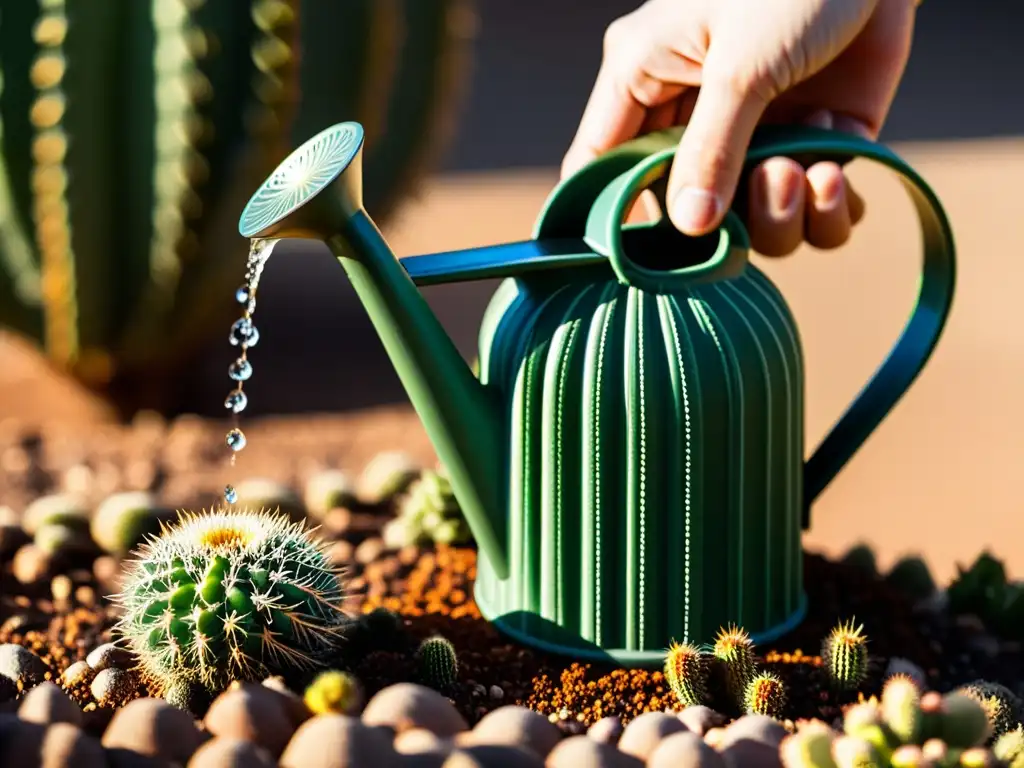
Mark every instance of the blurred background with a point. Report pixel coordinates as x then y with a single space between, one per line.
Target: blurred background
941 471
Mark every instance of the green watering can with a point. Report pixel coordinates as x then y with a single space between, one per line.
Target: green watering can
631 459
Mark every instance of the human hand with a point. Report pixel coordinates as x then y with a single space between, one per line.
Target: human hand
723 66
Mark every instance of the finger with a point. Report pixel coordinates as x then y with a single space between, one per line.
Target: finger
775 219
827 214
710 156
854 203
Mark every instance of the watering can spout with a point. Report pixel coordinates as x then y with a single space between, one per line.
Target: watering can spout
316 193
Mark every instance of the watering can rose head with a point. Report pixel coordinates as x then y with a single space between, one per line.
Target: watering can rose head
225 596
630 459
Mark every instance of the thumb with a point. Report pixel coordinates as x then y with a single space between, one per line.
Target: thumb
708 162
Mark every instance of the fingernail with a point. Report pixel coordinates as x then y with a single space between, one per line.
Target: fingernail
694 210
781 190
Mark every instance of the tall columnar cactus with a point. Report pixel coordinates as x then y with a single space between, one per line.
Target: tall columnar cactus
231 596
735 651
132 132
687 674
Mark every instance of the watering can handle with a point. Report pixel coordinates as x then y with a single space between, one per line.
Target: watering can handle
568 208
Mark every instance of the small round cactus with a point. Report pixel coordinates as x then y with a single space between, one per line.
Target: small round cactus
965 723
845 655
122 521
735 651
765 695
56 509
1002 707
386 475
334 692
327 490
225 596
686 672
911 576
438 663
428 513
901 708
1010 747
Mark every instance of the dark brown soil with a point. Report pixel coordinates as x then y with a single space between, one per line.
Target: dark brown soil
56 606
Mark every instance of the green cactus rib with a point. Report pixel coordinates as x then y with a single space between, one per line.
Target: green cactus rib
231 596
438 663
593 556
133 131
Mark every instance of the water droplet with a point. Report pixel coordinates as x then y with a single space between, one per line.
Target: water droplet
230 494
244 332
236 401
240 370
236 440
242 294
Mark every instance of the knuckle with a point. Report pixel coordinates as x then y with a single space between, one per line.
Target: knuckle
615 34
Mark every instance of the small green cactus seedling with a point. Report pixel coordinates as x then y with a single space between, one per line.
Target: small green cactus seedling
964 722
911 576
845 655
687 673
1002 707
328 490
438 663
765 695
225 596
124 520
428 513
334 692
735 651
386 475
901 708
55 509
1010 747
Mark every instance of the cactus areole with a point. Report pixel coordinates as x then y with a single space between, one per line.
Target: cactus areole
631 458
228 596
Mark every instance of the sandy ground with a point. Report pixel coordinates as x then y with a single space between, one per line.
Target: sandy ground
938 475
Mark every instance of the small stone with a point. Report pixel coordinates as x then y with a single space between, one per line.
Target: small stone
642 736
329 490
46 704
61 588
487 755
340 553
369 550
108 572
518 727
752 740
122 521
607 730
700 719
417 741
108 655
685 748
153 728
60 540
339 741
113 686
222 752
21 666
79 673
60 745
496 693
585 752
407 705
253 713
31 564
386 475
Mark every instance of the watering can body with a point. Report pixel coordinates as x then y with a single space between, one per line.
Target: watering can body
632 459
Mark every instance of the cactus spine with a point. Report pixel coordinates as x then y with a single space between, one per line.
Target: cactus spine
134 130
735 651
686 672
438 664
230 596
1003 708
845 655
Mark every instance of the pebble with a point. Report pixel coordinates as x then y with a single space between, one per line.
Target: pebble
700 719
250 712
585 752
416 741
684 749
46 704
31 564
407 705
108 655
338 741
752 740
642 735
153 728
21 666
294 707
518 727
223 752
369 550
112 686
56 509
30 745
79 673
607 730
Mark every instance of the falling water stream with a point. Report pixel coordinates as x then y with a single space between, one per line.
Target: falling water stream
244 336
